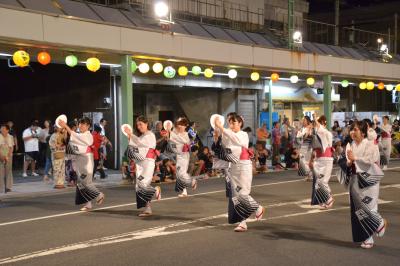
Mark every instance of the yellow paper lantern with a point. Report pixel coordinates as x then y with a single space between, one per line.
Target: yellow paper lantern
93 64
381 86
208 73
398 87
183 71
370 85
21 58
255 76
363 85
310 81
158 68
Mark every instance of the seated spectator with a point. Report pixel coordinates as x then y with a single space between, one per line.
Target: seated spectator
128 170
292 157
261 155
207 159
195 165
167 171
338 150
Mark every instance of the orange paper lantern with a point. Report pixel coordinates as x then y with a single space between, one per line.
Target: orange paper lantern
381 86
275 77
44 58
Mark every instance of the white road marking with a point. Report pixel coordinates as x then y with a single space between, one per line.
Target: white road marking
132 204
147 233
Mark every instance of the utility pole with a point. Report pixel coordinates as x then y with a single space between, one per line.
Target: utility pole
337 16
396 31
290 23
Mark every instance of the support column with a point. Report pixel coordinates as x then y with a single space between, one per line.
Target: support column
290 22
328 99
270 105
125 115
337 15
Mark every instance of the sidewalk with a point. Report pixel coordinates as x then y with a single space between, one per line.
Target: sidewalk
31 186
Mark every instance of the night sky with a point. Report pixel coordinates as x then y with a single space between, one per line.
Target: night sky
317 6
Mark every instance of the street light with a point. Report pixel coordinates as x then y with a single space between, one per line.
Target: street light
161 9
297 39
379 40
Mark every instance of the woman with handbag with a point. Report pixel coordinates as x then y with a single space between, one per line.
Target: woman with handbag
57 145
236 142
142 149
179 143
321 164
83 164
361 175
303 139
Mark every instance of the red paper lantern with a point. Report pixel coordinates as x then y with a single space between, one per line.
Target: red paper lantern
381 86
274 77
44 58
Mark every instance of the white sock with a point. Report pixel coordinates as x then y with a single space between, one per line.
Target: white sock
88 205
184 191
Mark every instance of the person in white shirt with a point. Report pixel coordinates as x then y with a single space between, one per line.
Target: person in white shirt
386 141
242 204
81 144
361 175
6 155
303 139
143 151
30 137
179 143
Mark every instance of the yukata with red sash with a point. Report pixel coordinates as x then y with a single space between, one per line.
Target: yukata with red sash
143 151
362 179
179 143
322 169
386 144
241 204
80 144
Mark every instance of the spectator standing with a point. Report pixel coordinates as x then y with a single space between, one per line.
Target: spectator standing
58 147
276 144
49 163
194 139
43 134
250 134
106 142
13 133
30 137
206 157
6 153
262 135
97 142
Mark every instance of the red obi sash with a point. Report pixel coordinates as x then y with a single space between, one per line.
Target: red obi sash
376 142
152 154
385 135
186 148
246 154
89 149
327 153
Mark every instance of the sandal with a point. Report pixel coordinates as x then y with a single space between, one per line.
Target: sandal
194 184
145 214
86 209
158 193
100 200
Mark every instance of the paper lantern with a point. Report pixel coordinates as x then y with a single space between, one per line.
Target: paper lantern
44 58
71 60
381 86
144 68
232 73
275 77
21 58
345 83
169 72
363 85
93 64
398 87
158 68
183 71
370 85
133 67
310 81
294 78
389 87
196 70
255 76
208 73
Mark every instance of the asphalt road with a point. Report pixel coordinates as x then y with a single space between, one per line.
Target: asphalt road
49 230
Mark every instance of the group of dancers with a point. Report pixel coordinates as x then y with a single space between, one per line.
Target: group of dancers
360 171
359 168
